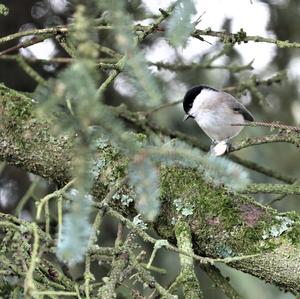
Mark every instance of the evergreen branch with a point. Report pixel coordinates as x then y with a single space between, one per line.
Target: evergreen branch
121 63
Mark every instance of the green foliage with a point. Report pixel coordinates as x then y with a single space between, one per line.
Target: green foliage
180 25
217 170
136 65
144 177
76 229
148 92
222 171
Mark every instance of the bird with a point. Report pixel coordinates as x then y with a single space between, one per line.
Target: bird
215 111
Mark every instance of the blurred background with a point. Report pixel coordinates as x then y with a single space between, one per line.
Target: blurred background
278 18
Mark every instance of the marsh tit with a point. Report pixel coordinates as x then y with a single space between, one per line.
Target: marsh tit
215 111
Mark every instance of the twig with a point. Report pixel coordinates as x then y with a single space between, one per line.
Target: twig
52 30
118 266
242 36
193 66
29 286
263 169
25 198
189 282
56 193
149 280
286 137
167 105
273 188
269 125
105 202
120 65
25 44
55 293
152 240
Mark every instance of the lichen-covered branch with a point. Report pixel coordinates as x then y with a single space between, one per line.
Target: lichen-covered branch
223 224
187 276
288 137
242 37
273 189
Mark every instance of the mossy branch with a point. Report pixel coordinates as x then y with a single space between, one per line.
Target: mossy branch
27 142
187 276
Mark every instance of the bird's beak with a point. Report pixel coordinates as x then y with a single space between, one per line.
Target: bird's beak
186 117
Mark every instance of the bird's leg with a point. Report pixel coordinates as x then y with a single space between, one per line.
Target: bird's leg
228 144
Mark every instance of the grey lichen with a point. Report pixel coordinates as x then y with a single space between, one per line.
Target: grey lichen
183 208
284 223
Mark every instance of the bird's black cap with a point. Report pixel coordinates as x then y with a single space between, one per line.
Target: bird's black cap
191 94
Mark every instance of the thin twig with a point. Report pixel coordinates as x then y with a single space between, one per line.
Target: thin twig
272 125
288 138
272 189
167 105
56 193
152 240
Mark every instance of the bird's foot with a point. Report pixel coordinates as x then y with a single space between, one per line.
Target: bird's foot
220 148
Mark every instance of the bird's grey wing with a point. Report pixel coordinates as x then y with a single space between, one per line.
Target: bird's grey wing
239 108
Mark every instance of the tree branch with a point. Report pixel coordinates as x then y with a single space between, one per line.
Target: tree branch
223 224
